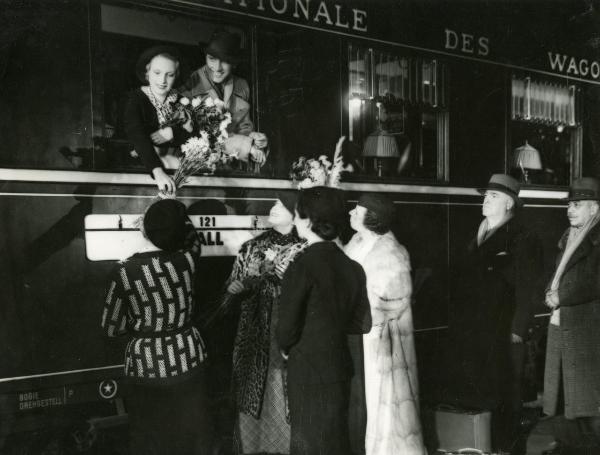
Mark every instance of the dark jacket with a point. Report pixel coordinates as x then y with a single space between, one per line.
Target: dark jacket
323 299
141 121
495 290
574 346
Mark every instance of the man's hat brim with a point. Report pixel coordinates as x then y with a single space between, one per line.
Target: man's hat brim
492 186
227 57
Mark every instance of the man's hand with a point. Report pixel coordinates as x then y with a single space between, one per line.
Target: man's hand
258 155
515 339
552 299
260 139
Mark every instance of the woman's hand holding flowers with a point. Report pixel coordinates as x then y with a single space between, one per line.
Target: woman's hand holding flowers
165 184
236 287
162 135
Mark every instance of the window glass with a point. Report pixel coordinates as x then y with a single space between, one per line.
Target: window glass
397 114
125 34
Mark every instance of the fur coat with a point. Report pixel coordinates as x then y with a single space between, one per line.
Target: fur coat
391 385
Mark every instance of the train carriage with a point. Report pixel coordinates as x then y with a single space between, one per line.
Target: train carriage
433 97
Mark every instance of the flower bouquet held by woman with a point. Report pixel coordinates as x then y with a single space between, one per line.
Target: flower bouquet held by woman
309 172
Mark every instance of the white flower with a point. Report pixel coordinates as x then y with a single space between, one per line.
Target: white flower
196 102
184 100
314 164
270 255
219 104
208 102
306 183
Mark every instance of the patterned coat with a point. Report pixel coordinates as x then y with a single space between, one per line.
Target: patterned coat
150 298
574 346
255 335
390 363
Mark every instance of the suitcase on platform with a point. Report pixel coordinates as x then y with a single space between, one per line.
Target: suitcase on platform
459 430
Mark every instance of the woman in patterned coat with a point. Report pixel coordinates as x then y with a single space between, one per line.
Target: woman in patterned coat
150 298
258 369
390 364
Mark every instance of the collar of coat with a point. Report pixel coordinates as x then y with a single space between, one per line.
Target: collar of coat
588 243
592 238
500 238
387 245
232 86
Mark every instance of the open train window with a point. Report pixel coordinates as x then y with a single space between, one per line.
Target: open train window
546 131
397 114
125 32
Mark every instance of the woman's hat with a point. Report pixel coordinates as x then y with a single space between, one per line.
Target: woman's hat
288 200
165 224
381 206
149 54
225 46
584 189
505 184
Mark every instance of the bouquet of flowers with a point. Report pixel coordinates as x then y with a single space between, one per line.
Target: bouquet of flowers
204 150
320 172
254 268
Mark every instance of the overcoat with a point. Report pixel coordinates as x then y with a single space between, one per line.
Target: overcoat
323 299
494 293
574 346
390 363
236 97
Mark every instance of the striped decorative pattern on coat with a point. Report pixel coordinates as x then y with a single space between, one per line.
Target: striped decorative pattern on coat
151 297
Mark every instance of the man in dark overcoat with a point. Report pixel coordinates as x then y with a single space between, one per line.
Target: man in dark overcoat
497 282
572 375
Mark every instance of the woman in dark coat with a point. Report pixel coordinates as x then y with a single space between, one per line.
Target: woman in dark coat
497 284
323 299
149 122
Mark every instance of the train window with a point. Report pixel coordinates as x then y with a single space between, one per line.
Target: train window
546 133
397 114
125 34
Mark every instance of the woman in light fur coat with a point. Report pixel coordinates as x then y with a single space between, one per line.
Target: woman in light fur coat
390 365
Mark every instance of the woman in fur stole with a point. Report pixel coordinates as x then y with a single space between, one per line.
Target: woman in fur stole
391 386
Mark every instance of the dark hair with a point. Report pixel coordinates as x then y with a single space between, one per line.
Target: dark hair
375 224
324 207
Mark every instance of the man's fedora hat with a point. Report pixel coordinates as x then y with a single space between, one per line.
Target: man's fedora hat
505 184
584 189
146 56
225 46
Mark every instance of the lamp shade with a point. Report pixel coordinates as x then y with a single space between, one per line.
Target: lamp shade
381 144
527 157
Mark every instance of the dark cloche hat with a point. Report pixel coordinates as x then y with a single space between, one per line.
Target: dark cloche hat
505 184
380 205
225 45
584 189
288 200
146 56
165 224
